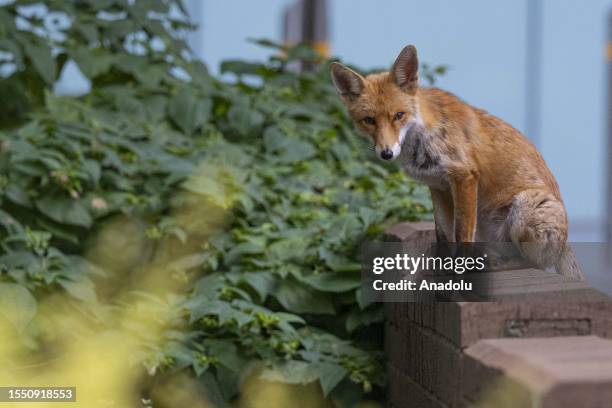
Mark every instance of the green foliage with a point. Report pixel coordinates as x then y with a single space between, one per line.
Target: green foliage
251 196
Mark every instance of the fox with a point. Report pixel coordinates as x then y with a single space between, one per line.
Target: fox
488 182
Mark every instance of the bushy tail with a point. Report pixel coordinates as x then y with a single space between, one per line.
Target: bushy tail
567 265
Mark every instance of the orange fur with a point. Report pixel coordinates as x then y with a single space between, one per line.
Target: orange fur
488 182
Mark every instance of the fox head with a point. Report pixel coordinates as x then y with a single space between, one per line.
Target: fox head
383 105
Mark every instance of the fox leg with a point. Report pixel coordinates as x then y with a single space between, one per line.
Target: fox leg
443 214
537 225
464 190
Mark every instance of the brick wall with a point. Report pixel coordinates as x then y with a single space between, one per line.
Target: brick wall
498 354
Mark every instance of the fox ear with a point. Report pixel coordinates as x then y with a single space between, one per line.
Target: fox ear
348 83
405 69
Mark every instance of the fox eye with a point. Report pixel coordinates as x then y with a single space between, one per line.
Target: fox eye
398 115
368 120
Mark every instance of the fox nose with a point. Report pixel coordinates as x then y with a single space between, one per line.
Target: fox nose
386 154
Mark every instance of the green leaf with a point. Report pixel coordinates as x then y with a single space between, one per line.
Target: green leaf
333 281
188 111
261 282
43 61
209 286
338 263
227 354
18 195
93 170
244 248
65 210
242 68
360 318
17 305
245 120
202 307
285 320
214 391
298 299
287 149
229 382
330 375
82 289
287 249
92 62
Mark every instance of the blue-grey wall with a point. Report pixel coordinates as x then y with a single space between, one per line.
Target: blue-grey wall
485 44
225 26
574 111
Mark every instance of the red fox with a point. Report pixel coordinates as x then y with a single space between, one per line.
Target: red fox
488 183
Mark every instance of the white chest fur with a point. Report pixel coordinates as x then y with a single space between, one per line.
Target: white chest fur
422 159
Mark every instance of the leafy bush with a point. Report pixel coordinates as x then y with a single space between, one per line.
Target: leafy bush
236 208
